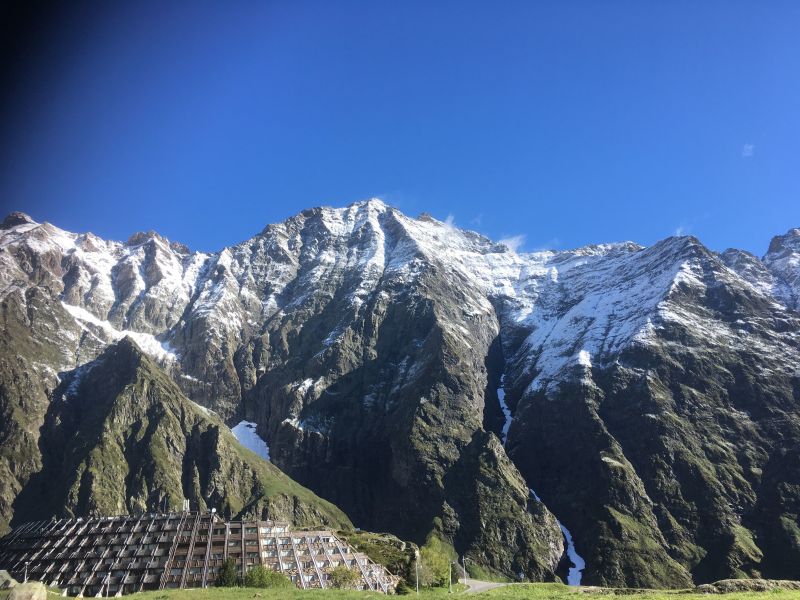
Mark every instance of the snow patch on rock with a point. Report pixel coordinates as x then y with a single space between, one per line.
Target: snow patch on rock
501 396
245 433
575 573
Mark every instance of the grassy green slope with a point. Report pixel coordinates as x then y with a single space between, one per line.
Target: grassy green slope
536 591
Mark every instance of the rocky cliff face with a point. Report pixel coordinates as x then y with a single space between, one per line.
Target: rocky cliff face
651 393
672 382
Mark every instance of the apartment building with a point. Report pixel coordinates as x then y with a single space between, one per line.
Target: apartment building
112 556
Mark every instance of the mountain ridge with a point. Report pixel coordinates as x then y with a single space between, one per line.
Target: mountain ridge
368 346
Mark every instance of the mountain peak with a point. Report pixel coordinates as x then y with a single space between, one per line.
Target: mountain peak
373 202
122 356
788 241
783 261
128 346
17 218
140 237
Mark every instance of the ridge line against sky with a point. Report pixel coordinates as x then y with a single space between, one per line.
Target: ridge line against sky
567 123
517 243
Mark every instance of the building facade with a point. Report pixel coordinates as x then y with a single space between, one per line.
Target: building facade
127 554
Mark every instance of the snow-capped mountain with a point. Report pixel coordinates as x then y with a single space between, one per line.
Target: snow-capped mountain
783 261
650 394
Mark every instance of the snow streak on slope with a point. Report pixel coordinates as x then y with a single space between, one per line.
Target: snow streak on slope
575 573
245 432
578 564
501 396
147 342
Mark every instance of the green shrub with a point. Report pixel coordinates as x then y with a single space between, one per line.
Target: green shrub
228 574
434 562
259 577
344 578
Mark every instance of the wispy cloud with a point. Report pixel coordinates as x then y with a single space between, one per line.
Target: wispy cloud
680 230
450 221
477 220
513 243
748 150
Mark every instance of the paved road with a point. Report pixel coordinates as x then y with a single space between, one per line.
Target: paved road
474 586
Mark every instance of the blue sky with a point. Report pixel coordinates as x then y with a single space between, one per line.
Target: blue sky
564 122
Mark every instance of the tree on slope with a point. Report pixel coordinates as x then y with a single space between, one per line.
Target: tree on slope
228 574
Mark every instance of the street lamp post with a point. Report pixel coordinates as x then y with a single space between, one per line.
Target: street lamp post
450 577
26 572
